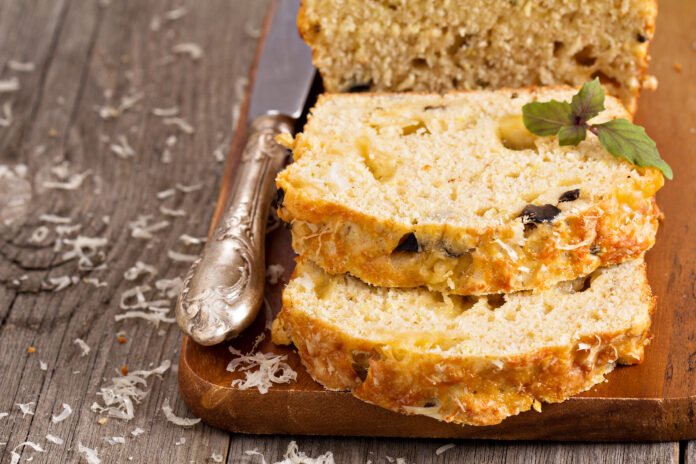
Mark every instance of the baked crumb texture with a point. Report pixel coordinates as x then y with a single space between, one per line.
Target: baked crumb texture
438 45
431 190
466 360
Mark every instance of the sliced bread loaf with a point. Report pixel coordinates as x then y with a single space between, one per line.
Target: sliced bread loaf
452 192
467 360
437 45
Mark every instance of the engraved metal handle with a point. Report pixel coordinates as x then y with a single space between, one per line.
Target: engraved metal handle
223 290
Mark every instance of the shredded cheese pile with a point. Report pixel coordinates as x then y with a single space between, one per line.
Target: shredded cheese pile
270 368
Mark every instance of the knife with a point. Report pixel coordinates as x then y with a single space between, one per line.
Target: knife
223 290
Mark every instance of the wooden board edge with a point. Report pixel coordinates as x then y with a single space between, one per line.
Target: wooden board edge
293 412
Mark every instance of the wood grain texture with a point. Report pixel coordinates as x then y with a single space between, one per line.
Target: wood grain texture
652 401
83 52
379 451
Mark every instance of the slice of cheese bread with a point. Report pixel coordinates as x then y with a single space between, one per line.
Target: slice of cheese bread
453 193
467 360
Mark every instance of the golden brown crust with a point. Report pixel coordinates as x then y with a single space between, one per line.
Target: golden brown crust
469 261
464 390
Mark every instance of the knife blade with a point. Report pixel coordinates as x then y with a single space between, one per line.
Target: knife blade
223 290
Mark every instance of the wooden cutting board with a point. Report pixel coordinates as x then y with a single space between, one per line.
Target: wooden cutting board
652 401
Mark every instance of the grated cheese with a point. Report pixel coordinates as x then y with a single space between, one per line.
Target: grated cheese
43 366
122 149
180 442
95 282
137 432
6 120
155 318
26 408
166 193
54 219
142 229
444 448
64 414
62 231
271 368
217 457
83 346
85 249
181 257
274 272
9 85
73 182
189 240
119 397
166 112
219 152
180 124
16 456
172 212
252 30
54 439
155 24
4 414
176 13
59 283
174 419
169 287
20 66
189 48
255 452
141 302
166 156
294 456
115 440
139 269
90 454
189 188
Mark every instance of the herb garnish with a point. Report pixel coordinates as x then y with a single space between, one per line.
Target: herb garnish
569 121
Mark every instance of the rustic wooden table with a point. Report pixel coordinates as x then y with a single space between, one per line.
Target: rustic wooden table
82 153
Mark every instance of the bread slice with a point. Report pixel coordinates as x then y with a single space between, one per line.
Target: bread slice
438 45
452 192
467 360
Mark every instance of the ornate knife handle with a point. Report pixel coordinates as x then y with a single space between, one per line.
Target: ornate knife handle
223 290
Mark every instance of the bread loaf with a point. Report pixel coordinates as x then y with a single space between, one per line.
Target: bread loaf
438 45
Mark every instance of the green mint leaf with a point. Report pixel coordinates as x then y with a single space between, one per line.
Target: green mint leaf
571 135
624 139
546 118
588 102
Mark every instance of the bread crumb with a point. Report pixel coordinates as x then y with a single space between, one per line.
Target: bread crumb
650 83
678 67
536 405
31 349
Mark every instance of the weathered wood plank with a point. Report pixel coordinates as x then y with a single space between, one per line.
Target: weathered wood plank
689 450
98 54
382 451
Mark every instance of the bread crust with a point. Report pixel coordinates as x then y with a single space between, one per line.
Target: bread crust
470 261
464 390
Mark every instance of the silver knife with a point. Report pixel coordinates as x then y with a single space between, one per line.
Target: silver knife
223 290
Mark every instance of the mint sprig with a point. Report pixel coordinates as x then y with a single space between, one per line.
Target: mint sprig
569 121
